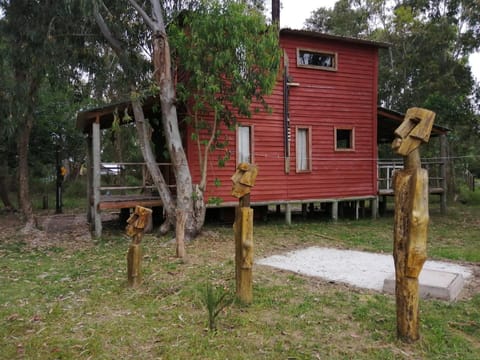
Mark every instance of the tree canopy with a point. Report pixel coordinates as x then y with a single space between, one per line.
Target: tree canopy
427 63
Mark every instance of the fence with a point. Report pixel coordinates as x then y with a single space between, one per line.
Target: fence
127 177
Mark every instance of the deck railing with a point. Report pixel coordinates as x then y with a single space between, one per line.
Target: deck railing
386 169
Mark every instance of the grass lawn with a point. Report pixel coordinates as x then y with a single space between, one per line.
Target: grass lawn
70 300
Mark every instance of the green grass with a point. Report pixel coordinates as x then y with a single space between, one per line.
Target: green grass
74 303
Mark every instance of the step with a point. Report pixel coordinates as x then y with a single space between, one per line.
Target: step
433 284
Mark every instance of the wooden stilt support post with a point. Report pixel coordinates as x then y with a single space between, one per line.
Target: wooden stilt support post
243 181
288 214
135 229
411 219
334 210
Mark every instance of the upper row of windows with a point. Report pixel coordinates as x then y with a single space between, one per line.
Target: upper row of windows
317 59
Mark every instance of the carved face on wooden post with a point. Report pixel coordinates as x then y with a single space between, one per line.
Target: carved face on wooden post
138 220
413 131
243 179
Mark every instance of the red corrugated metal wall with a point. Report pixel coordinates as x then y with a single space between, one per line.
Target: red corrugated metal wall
322 101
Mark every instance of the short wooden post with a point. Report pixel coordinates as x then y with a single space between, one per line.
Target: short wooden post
411 219
243 181
135 229
244 253
180 234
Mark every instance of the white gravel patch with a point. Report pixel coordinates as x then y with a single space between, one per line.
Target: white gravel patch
358 268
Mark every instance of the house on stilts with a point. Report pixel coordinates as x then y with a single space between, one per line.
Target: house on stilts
316 149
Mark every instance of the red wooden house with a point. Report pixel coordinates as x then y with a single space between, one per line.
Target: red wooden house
317 146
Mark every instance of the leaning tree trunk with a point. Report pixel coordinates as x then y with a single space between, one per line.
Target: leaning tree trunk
187 194
149 157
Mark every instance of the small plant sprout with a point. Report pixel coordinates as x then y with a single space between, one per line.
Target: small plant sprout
215 300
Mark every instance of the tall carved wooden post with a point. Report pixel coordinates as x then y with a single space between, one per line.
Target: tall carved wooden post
135 229
243 180
411 219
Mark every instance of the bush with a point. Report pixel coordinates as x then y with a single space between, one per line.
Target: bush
466 196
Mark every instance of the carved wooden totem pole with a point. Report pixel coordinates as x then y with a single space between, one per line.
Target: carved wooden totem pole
411 219
243 181
135 229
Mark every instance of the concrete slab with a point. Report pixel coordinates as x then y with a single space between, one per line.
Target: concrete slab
433 284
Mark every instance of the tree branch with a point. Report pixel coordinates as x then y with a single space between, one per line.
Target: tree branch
203 181
157 14
148 20
114 42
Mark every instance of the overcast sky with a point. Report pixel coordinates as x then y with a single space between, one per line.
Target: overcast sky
293 14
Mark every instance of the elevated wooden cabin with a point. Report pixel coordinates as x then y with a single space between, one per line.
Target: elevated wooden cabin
317 146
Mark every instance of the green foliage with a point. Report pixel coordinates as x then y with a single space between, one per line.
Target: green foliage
341 20
230 58
215 300
215 200
427 63
468 196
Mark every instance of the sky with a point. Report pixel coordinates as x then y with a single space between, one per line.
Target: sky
293 14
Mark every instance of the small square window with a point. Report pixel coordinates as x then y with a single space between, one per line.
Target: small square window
317 59
344 139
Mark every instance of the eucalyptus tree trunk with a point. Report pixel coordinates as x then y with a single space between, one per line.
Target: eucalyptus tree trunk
27 90
4 196
149 157
189 202
24 201
187 211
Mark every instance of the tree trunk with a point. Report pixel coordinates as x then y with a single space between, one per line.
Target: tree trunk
180 234
149 157
24 201
187 194
3 186
188 197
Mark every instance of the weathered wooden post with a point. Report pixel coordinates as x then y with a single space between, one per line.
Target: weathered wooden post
243 180
135 229
411 219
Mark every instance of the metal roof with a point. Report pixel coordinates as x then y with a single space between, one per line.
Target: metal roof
319 35
389 120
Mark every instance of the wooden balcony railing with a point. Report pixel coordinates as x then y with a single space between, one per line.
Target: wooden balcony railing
128 177
386 169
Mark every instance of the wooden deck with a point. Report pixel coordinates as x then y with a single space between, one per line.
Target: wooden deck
128 201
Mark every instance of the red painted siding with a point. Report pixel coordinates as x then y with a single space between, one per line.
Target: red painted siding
322 101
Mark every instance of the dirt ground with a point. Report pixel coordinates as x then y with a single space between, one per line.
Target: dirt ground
69 231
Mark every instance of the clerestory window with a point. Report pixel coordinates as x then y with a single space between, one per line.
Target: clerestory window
317 59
